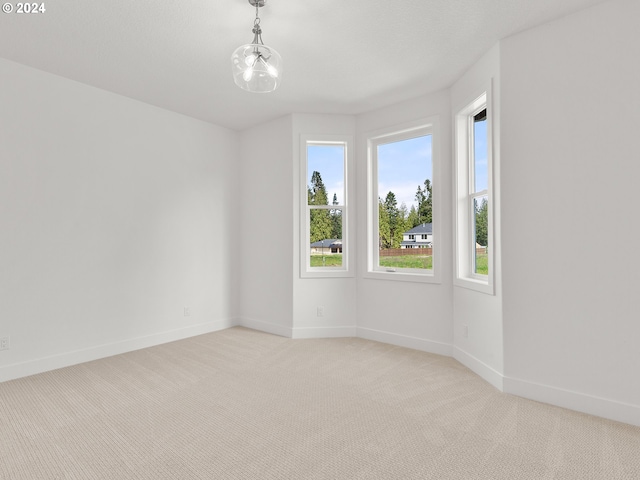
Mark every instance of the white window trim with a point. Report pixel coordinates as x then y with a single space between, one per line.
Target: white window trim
348 255
424 126
464 275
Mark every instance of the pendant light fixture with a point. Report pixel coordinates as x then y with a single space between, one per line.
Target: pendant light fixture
256 67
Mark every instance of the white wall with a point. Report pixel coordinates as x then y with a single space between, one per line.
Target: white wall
274 297
114 216
265 238
570 117
417 315
336 296
481 313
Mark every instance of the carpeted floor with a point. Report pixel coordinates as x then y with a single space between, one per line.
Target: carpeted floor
241 404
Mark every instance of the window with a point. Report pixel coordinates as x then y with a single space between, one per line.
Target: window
402 217
325 247
478 193
474 197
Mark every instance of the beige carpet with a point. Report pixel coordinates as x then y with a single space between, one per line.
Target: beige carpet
240 404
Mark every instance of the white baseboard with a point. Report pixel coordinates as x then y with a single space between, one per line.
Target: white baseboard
580 402
266 327
298 332
480 368
45 364
601 407
323 332
405 341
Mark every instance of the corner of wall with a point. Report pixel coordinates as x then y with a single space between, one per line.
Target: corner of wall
477 318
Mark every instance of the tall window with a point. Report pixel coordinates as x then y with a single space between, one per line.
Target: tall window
401 195
325 248
474 197
479 192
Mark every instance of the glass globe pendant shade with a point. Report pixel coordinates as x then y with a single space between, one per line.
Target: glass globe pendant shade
256 68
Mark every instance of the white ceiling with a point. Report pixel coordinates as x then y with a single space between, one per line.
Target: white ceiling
340 56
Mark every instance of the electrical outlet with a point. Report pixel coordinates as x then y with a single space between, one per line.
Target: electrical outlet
5 343
465 331
187 311
320 311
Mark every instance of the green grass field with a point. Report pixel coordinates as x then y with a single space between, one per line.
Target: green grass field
405 261
408 261
482 264
334 260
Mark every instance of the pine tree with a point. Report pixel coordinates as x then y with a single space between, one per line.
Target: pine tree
396 223
412 218
425 203
482 223
384 240
320 219
336 220
402 224
318 190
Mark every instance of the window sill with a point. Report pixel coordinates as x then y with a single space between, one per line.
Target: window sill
479 285
326 274
402 276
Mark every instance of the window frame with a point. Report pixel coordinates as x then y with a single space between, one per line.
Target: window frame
348 255
398 133
465 197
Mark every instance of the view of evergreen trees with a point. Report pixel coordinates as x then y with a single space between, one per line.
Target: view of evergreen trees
393 219
482 221
324 223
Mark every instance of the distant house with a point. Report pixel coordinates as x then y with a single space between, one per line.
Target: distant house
418 237
327 247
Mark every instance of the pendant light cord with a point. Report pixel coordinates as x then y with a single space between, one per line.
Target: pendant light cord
257 31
